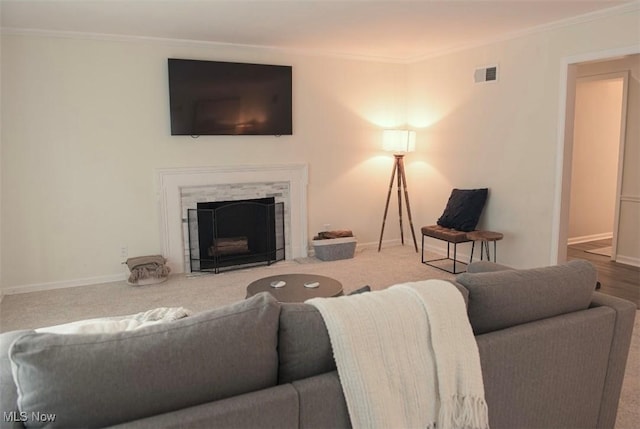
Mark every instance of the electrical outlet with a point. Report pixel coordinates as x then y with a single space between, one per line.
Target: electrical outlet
124 252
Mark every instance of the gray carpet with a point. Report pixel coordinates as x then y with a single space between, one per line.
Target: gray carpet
200 292
392 265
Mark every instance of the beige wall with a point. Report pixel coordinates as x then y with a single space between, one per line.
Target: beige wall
504 135
597 122
85 125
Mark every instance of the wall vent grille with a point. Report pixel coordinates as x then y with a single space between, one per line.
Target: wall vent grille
486 74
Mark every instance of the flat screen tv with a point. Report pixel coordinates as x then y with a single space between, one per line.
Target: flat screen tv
223 98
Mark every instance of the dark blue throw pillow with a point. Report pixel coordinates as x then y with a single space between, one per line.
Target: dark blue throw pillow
464 209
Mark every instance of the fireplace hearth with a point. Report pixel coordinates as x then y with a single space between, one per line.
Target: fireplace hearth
225 235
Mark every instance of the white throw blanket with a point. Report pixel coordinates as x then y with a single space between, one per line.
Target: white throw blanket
107 325
407 357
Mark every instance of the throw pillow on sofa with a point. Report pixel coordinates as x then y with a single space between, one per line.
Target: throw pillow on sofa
106 325
97 380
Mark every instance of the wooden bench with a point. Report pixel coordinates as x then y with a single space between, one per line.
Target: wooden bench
451 236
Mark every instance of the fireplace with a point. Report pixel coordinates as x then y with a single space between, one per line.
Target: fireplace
180 189
235 234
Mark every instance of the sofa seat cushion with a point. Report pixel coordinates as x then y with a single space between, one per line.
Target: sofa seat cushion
96 380
501 299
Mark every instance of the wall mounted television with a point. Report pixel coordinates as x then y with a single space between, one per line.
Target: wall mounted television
224 98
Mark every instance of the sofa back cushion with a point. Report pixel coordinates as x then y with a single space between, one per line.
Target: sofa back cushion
501 299
96 380
8 392
304 345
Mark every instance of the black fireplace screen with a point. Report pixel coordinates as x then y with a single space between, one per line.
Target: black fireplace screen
226 235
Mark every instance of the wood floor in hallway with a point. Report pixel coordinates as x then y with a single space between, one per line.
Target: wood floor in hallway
616 279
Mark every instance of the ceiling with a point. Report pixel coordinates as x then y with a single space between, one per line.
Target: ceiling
386 30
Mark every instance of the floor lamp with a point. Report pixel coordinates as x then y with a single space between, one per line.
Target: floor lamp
399 142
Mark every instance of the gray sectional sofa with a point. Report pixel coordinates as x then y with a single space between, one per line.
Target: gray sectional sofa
553 355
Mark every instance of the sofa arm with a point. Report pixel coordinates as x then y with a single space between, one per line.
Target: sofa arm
626 312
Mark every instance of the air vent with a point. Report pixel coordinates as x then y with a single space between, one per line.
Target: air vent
486 74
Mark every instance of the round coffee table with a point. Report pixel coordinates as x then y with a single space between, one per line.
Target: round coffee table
294 289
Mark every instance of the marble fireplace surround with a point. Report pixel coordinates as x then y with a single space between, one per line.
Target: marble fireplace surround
171 181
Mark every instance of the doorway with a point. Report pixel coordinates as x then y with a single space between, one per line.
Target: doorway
621 276
625 230
600 111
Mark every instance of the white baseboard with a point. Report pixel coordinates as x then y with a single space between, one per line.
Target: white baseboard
587 238
463 254
89 281
374 244
38 287
628 260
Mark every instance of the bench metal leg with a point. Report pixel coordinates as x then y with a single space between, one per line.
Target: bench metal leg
485 249
448 258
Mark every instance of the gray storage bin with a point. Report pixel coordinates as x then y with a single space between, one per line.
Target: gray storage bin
335 248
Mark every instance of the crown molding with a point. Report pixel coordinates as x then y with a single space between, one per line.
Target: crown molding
190 43
630 7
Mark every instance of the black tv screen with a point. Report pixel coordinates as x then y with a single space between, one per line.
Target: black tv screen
223 98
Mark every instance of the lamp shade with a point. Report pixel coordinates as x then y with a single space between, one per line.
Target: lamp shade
399 141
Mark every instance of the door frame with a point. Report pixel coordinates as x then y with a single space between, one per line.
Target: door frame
621 146
564 147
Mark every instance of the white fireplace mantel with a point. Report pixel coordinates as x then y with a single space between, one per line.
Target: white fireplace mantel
171 180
